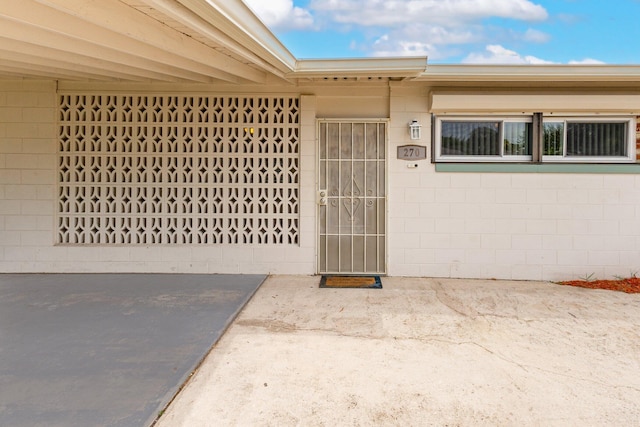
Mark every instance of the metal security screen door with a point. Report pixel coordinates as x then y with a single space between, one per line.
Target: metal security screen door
352 197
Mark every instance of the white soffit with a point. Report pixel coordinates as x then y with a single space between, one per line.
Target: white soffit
205 41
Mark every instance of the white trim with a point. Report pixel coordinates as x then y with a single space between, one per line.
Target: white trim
527 102
439 157
580 118
530 73
630 136
361 67
241 30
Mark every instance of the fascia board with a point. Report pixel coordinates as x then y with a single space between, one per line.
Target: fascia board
244 31
531 73
527 102
406 67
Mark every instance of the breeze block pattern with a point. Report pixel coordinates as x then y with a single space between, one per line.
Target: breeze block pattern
177 169
638 139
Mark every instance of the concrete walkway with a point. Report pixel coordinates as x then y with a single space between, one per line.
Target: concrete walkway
421 352
106 349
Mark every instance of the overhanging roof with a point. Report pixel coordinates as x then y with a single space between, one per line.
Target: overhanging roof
219 41
204 41
471 74
139 40
362 68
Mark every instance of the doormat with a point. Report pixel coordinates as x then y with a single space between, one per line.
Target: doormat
366 282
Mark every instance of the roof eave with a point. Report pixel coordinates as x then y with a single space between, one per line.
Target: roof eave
246 30
530 73
405 67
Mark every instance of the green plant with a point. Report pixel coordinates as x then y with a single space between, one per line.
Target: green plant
633 274
588 277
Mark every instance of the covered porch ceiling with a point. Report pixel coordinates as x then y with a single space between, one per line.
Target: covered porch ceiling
138 40
171 41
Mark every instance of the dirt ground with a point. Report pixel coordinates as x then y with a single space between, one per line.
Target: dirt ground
421 352
630 285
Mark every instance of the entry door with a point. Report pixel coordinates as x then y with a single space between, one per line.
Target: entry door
352 197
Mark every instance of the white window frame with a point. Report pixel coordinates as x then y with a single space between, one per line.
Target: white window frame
497 158
564 158
629 120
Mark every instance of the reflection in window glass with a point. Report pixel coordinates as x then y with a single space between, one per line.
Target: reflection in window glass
470 138
553 139
511 139
517 138
596 139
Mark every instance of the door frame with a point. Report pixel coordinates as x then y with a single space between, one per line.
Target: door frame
317 197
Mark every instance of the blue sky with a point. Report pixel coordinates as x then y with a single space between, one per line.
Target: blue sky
459 31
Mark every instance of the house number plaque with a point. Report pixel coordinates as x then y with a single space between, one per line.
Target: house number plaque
412 152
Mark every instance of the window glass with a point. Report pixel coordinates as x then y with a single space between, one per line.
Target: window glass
553 139
470 138
517 138
596 139
510 138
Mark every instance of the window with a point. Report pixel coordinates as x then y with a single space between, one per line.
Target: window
511 139
587 140
484 139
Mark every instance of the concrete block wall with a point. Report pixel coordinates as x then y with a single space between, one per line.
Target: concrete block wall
28 147
537 226
485 225
27 177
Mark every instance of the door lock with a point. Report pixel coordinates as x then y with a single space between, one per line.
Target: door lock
322 197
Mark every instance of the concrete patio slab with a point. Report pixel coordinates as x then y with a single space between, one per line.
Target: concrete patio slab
106 349
421 352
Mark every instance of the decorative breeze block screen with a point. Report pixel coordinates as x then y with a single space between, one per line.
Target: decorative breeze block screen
163 169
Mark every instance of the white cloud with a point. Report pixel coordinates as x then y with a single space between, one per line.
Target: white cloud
384 47
586 61
419 40
444 12
436 28
281 14
439 29
496 54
